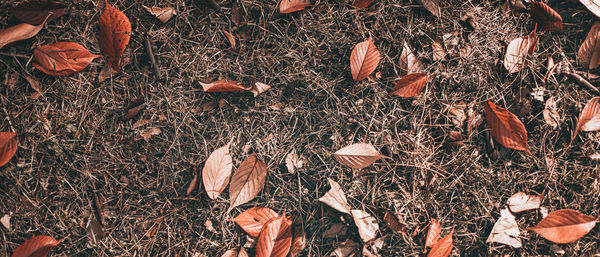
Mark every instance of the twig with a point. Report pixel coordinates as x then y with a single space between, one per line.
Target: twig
214 5
582 81
151 55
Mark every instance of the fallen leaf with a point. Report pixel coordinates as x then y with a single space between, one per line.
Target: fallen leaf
433 6
337 229
410 85
222 86
546 17
259 88
363 60
375 246
298 241
8 146
348 248
589 51
589 119
394 223
209 226
433 233
94 230
140 123
135 107
242 253
335 197
253 219
37 246
443 247
439 54
154 228
11 80
520 202
99 208
293 162
5 221
564 226
409 63
275 239
163 14
35 84
150 132
592 5
358 155
19 32
193 183
105 73
367 225
230 38
35 12
115 32
361 3
216 171
455 138
505 230
62 58
518 51
505 127
247 181
230 253
288 6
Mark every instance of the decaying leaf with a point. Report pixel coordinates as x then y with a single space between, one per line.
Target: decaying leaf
135 107
546 17
505 127
443 247
94 230
230 253
253 219
275 239
115 32
163 14
35 12
409 63
5 221
394 223
358 155
8 146
36 246
247 181
62 58
505 230
518 51
564 226
231 40
589 51
439 54
433 233
193 184
216 171
105 73
293 162
288 6
336 198
259 88
433 6
146 135
361 3
222 86
337 229
155 227
19 32
348 248
298 241
589 119
410 85
592 5
523 202
367 224
363 60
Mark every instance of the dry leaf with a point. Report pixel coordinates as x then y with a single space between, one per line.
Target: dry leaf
367 225
135 107
19 32
115 31
564 226
8 146
589 119
505 127
149 133
35 12
230 253
288 6
37 246
216 171
433 6
439 54
247 181
154 228
293 162
358 155
253 219
11 79
5 221
443 247
546 17
105 73
348 248
275 239
35 84
62 58
222 86
140 123
193 183
163 14
523 202
336 198
209 226
363 60
589 51
592 5
242 253
505 230
410 85
298 241
259 88
394 223
361 3
518 51
433 233
94 230
409 63
230 38
375 246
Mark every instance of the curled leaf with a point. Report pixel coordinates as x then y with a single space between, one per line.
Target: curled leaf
589 119
550 113
37 246
62 58
19 32
8 146
357 155
523 202
115 31
35 12
363 60
288 6
564 226
216 171
410 85
163 14
222 86
275 239
259 88
247 181
589 51
505 127
253 219
518 50
546 17
335 197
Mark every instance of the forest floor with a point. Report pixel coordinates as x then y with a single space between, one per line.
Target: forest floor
74 144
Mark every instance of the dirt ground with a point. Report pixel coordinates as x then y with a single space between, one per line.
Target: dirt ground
74 143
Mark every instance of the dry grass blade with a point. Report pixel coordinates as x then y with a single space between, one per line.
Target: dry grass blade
35 12
19 32
247 181
409 63
433 6
8 146
442 248
363 60
288 6
410 85
589 119
37 246
224 85
62 58
253 219
546 17
505 127
518 50
361 3
592 5
589 51
564 226
433 233
115 32
367 224
505 230
276 238
523 202
335 197
358 155
216 171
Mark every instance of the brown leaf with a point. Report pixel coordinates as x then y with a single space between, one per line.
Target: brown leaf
230 38
99 208
115 31
155 227
433 233
259 88
518 50
546 17
293 162
337 229
505 127
505 230
149 133
589 119
35 12
37 246
216 171
298 241
410 85
348 248
394 223
361 3
335 197
193 183
242 252
247 181
62 58
363 60
135 107
253 219
5 221
275 239
35 84
439 54
8 146
592 5
11 79
288 6
19 32
367 225
433 6
523 202
105 73
222 86
163 14
358 155
230 253
564 226
409 63
442 248
589 51
94 230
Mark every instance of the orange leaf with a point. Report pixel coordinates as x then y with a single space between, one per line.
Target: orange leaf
37 246
523 202
361 3
247 181
589 51
546 17
518 50
564 226
253 219
505 127
589 119
35 12
8 146
433 233
410 85
216 171
357 155
592 5
62 58
363 60
222 86
19 32
275 239
115 31
442 248
288 6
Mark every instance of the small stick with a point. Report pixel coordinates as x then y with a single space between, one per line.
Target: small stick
214 5
151 55
582 81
